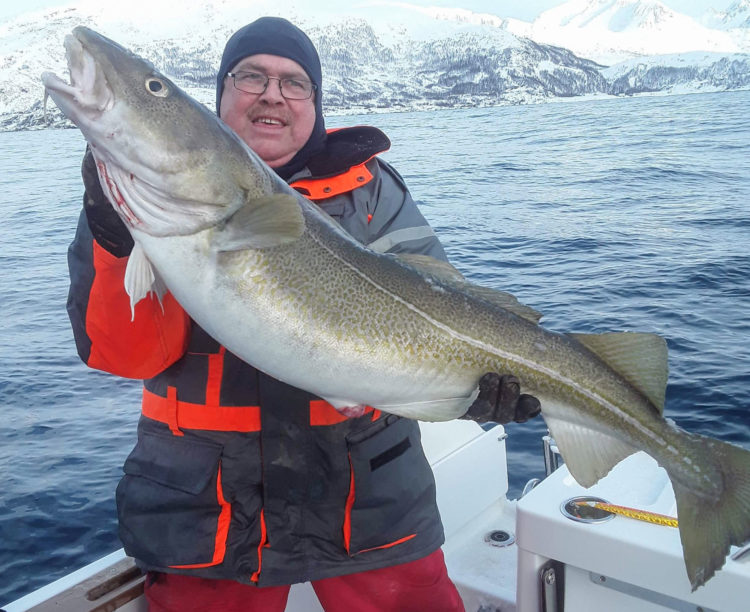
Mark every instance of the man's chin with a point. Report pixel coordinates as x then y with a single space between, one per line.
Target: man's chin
274 160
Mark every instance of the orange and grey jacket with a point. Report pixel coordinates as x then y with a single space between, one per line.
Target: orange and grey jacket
237 475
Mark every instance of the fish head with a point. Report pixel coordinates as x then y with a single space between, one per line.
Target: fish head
168 165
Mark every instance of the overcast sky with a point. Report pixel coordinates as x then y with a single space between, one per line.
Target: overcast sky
526 10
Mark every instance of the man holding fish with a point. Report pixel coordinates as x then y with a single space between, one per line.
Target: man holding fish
240 484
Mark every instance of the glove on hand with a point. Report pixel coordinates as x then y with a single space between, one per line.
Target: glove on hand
106 226
500 401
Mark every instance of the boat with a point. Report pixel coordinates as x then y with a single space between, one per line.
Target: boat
558 547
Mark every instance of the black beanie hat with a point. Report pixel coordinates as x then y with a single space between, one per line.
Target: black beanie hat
277 36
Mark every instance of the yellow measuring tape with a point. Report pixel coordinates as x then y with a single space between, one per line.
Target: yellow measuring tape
640 515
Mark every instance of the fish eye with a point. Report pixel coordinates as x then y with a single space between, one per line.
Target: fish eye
157 87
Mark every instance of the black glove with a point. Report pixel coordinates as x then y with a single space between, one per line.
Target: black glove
106 226
500 401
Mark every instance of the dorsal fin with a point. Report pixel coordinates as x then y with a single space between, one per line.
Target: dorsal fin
503 299
639 358
429 265
448 274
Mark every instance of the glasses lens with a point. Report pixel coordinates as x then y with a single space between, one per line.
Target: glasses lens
250 82
295 89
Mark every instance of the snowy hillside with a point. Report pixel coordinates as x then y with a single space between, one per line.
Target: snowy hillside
610 31
736 16
680 73
390 56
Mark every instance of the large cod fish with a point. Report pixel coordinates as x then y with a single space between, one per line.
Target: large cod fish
280 284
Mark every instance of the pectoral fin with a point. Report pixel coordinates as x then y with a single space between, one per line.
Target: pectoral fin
262 222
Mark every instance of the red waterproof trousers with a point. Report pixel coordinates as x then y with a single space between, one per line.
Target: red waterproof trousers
417 586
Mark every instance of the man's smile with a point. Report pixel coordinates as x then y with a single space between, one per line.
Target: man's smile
271 121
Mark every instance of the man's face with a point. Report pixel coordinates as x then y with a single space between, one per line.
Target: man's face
272 126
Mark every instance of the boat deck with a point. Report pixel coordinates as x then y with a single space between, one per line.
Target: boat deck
502 555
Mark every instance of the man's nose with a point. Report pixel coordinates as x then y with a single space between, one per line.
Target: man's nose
273 90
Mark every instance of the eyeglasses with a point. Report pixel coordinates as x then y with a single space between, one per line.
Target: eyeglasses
256 83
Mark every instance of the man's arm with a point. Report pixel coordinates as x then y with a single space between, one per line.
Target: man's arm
99 308
397 225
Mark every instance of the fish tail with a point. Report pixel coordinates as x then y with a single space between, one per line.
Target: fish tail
711 523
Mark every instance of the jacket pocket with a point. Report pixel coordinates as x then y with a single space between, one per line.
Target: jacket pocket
170 505
392 488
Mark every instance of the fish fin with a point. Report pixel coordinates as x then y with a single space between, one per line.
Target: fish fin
504 300
159 288
589 454
639 358
428 410
710 524
429 265
445 272
140 279
431 410
262 222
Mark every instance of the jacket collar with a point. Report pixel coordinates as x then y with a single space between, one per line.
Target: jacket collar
345 148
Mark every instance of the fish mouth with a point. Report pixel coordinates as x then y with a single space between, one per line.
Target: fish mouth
141 180
88 92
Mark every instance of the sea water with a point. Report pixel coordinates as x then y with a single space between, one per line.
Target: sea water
627 214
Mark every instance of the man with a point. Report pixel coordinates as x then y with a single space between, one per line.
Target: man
241 485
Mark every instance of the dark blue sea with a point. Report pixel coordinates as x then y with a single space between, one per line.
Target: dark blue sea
608 215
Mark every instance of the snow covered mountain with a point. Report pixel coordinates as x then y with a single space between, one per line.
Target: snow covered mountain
737 16
391 56
610 31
